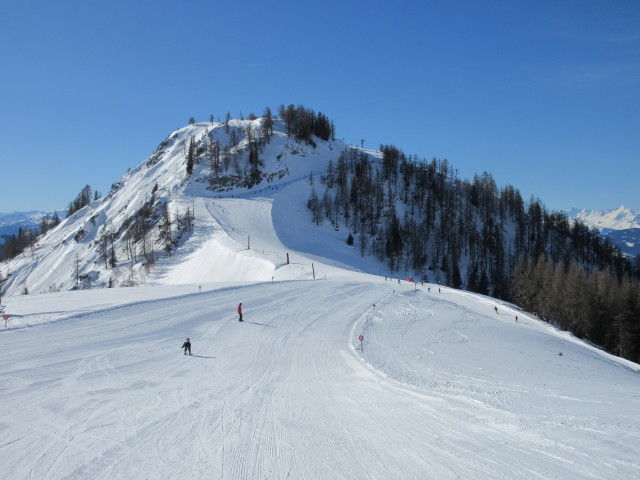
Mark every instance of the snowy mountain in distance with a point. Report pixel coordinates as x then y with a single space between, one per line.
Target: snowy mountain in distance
621 226
11 223
621 218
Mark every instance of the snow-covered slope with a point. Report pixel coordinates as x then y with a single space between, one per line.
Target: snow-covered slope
79 252
95 386
445 384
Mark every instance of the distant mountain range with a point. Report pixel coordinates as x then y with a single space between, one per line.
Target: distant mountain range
11 223
621 218
621 225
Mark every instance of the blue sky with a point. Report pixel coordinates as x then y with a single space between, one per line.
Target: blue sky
544 95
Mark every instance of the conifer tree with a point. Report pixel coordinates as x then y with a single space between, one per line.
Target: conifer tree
191 154
267 124
165 225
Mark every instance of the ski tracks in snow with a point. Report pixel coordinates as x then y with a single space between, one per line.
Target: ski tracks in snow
286 394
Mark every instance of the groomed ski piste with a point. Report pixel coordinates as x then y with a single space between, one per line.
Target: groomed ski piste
445 385
95 385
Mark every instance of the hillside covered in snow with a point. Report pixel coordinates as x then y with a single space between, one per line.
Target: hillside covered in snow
444 384
406 215
158 222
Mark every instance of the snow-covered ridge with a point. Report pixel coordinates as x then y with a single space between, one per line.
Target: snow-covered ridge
120 240
621 218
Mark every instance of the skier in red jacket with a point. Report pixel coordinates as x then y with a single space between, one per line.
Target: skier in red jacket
240 312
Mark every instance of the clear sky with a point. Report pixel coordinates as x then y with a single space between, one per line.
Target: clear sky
542 94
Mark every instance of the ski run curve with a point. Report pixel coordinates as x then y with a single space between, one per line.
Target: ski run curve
442 388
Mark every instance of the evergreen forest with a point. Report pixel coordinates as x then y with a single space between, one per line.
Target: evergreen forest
427 224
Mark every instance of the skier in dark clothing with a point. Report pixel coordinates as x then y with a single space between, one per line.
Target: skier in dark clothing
240 312
187 346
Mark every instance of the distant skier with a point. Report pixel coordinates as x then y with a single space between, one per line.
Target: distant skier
240 312
496 309
187 346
